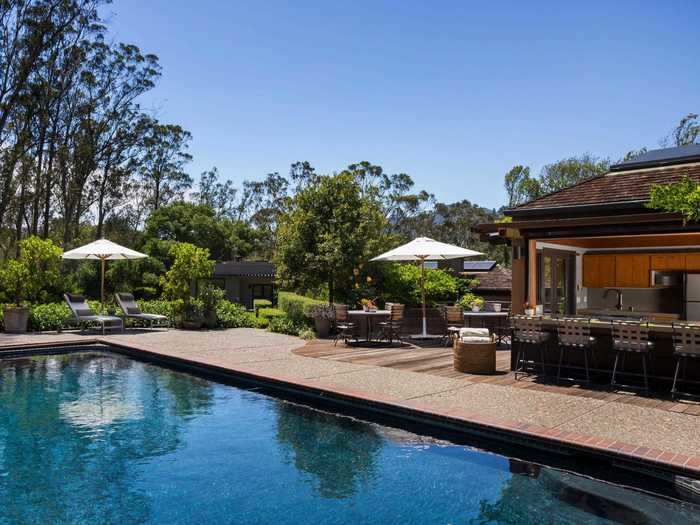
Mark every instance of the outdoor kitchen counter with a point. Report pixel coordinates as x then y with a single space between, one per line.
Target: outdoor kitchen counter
662 360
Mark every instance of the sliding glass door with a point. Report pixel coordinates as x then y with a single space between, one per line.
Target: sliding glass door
557 282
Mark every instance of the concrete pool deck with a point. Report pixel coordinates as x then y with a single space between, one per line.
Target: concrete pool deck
620 431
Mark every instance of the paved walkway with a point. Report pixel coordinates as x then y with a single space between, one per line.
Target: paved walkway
611 427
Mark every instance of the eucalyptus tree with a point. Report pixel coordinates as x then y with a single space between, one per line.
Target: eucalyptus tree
162 164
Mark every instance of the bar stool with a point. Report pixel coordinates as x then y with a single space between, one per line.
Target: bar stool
344 328
574 335
453 319
528 331
686 344
631 337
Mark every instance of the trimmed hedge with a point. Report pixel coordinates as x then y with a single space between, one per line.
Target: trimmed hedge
234 315
297 307
171 309
269 313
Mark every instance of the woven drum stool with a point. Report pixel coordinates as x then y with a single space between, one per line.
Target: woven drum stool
475 358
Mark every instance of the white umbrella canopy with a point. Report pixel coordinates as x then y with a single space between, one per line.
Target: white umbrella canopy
424 249
103 250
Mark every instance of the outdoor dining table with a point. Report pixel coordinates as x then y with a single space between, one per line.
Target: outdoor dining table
369 316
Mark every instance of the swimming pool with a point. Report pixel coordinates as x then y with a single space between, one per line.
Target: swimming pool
96 437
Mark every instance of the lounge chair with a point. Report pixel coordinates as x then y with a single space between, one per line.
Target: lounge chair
86 316
131 310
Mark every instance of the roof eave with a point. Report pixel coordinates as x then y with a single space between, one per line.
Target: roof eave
576 208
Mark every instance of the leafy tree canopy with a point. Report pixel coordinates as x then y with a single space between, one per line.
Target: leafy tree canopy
198 224
331 228
190 263
679 197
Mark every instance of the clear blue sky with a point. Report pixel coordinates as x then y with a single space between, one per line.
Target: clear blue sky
453 93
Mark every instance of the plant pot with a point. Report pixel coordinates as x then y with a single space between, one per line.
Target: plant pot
16 319
190 324
530 312
497 307
210 319
323 327
476 308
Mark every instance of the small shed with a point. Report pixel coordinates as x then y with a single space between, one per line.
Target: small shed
245 281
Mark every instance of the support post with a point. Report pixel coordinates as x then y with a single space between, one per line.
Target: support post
532 272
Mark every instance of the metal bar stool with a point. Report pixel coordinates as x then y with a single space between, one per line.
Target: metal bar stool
575 335
528 331
453 319
631 337
686 344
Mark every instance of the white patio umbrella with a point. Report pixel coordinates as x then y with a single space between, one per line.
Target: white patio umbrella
424 249
104 250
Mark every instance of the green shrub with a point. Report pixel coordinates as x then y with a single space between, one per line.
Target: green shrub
51 316
234 315
172 309
285 325
261 303
307 334
297 307
269 313
401 283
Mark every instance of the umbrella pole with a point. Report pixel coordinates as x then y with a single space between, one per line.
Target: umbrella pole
422 294
102 287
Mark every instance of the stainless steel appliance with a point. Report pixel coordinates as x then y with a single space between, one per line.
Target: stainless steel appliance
661 279
691 296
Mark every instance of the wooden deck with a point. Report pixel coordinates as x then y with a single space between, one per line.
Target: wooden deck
438 361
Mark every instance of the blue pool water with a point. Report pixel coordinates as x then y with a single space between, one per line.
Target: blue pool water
94 437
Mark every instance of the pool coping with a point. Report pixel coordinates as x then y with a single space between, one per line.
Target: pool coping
459 420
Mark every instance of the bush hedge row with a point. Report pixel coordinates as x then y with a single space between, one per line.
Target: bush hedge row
297 307
52 316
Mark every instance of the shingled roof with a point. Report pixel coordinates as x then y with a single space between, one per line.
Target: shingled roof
244 269
499 278
614 187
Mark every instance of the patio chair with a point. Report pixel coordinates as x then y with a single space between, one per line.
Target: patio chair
453 321
131 310
631 337
528 332
86 317
574 336
390 329
686 344
344 328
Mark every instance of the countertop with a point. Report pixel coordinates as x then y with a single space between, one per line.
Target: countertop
634 314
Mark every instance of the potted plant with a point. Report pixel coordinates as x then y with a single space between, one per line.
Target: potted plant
322 314
368 305
529 309
14 277
193 318
210 296
476 304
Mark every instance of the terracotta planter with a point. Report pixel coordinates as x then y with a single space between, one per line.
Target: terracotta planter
16 319
323 327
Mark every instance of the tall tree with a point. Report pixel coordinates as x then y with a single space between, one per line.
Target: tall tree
162 166
330 229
